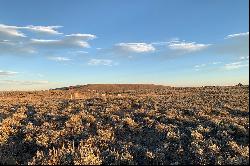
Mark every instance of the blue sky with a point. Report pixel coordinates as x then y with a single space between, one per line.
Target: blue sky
47 44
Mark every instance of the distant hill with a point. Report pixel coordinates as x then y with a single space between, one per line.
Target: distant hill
110 87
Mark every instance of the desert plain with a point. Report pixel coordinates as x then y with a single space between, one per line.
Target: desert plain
125 124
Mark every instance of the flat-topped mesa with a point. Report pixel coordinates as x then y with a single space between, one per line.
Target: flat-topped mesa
122 86
113 87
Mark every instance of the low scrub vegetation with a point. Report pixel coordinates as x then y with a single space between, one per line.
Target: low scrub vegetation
161 125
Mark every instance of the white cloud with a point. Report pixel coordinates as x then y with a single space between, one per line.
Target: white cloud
169 49
228 66
215 63
237 35
17 48
44 41
198 66
9 32
235 65
21 82
205 66
14 42
236 45
160 43
82 36
175 47
59 59
43 29
105 62
186 46
244 58
52 44
7 73
70 41
165 43
55 44
80 52
135 47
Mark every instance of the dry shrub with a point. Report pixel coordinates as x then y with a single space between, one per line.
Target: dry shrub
130 122
84 154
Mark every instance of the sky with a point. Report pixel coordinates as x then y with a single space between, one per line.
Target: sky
47 44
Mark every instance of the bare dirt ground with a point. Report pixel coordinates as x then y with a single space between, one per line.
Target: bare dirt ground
125 124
